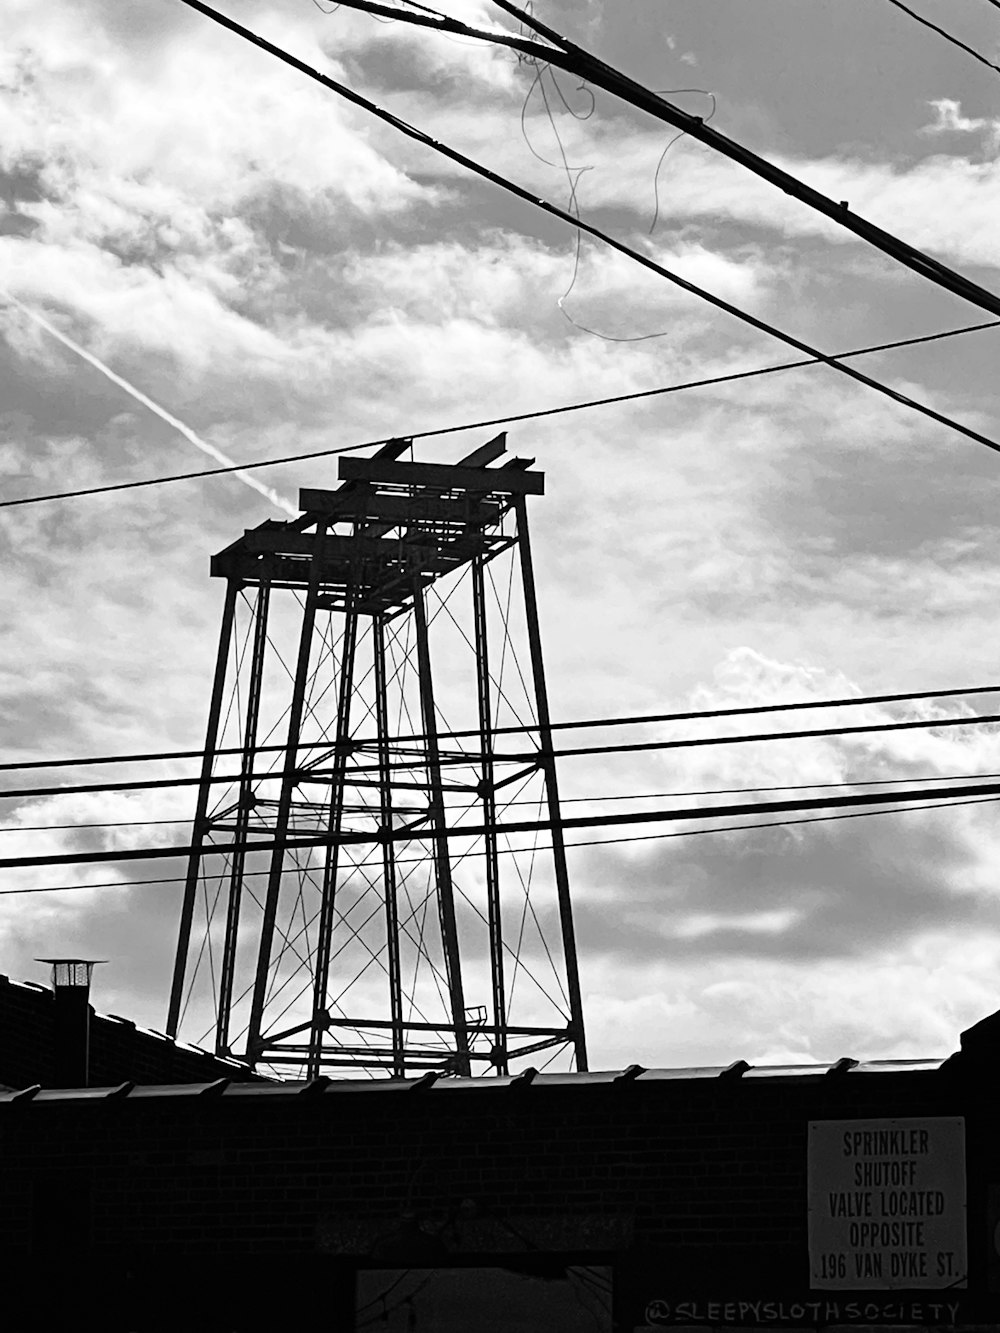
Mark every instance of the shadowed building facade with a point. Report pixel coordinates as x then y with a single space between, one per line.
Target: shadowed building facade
852 1195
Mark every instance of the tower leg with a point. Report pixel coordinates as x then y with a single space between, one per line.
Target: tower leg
243 813
388 849
489 806
331 862
547 764
288 780
201 809
442 861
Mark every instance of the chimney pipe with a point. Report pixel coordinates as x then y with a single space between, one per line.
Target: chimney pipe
71 1020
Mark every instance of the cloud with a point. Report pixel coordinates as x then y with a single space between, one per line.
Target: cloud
286 274
950 120
842 889
203 445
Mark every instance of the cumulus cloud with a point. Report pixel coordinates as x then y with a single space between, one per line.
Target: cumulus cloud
948 119
286 275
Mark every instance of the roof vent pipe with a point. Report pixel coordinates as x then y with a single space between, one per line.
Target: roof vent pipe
71 1020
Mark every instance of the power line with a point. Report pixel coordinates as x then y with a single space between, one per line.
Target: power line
650 719
514 826
570 800
581 63
515 851
535 415
307 775
984 299
693 741
639 719
949 37
107 823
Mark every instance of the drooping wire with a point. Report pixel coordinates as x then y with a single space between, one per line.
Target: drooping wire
573 177
927 266
670 143
574 174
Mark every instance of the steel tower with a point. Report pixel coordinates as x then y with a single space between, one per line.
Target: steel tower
353 898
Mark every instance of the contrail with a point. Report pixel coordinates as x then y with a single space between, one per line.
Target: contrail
161 412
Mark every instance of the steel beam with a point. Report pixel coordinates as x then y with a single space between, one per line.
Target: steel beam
335 823
442 859
201 809
388 848
288 779
547 764
487 792
243 812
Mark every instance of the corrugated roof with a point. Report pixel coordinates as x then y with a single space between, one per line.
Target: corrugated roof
527 1080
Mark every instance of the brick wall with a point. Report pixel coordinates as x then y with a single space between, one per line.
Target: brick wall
708 1173
119 1051
692 1186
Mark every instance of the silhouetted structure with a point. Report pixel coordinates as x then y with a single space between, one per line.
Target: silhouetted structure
34 1038
697 1196
371 910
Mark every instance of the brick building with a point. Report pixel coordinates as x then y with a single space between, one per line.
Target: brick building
119 1051
635 1200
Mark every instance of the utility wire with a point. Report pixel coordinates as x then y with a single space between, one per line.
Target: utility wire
542 847
567 800
582 64
929 267
535 415
545 847
307 775
642 719
949 37
602 75
693 741
946 794
649 719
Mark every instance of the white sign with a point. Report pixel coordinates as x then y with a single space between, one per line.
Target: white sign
887 1204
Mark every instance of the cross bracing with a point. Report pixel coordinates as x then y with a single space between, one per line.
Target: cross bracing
401 604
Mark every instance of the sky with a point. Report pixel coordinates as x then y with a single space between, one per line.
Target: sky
275 272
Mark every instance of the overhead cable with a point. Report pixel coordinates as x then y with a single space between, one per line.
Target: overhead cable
576 60
602 75
694 715
539 847
640 719
988 301
688 742
311 775
397 835
566 800
948 37
534 415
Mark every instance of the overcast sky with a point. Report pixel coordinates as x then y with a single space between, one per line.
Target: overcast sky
282 273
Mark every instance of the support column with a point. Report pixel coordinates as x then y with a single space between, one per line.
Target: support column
288 781
547 764
243 813
388 849
488 797
331 863
442 861
201 809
